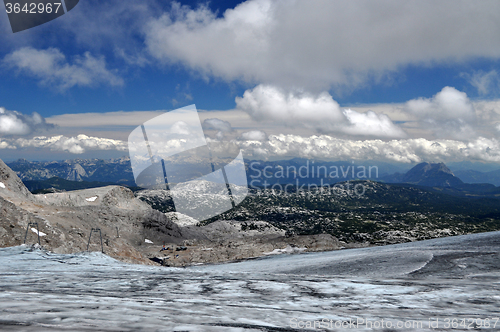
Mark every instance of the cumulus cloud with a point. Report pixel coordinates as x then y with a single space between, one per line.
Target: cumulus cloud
265 102
320 112
220 127
217 124
75 145
15 123
449 113
254 135
52 68
284 42
404 150
447 104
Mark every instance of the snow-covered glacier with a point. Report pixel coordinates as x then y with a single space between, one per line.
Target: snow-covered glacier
441 284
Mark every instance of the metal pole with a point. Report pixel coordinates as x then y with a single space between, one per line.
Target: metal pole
37 231
100 234
88 243
26 234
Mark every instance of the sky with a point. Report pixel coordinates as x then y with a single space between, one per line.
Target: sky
395 81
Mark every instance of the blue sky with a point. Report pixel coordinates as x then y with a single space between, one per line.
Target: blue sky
145 88
385 77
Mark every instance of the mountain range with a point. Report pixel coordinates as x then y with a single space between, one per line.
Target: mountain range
117 170
374 213
88 173
473 176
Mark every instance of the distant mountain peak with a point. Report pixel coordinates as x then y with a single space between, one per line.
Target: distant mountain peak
431 167
432 174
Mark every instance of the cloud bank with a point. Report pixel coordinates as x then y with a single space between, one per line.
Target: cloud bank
404 150
15 123
52 68
318 45
256 146
74 145
320 112
449 114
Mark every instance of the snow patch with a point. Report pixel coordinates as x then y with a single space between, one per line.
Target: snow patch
33 229
287 250
148 241
2 185
91 199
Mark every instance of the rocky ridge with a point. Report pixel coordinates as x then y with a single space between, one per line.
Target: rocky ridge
131 230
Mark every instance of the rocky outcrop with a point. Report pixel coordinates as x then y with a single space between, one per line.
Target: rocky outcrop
65 220
13 223
233 241
11 187
131 230
76 173
226 230
110 196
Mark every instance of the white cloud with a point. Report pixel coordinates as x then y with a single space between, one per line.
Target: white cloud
76 145
320 112
284 146
120 118
254 135
447 104
404 150
180 128
322 44
52 68
371 124
266 102
113 24
15 123
449 114
220 127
